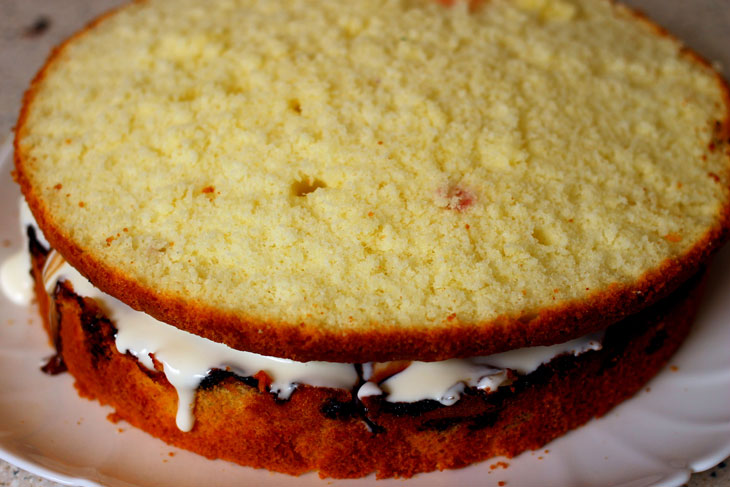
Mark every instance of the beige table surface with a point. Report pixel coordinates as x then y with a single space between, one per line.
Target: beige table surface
30 28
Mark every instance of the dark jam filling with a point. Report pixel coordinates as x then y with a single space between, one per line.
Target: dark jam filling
54 364
335 409
216 376
354 408
34 245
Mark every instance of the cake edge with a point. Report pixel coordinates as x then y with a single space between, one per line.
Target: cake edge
379 341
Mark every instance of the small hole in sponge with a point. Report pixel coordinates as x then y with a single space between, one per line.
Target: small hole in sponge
295 106
306 185
543 236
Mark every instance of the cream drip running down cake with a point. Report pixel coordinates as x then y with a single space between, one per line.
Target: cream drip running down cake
379 236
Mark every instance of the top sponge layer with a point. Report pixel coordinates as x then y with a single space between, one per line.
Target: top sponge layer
378 179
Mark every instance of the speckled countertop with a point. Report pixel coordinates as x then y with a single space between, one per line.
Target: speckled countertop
30 28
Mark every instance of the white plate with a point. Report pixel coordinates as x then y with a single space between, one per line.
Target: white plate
679 426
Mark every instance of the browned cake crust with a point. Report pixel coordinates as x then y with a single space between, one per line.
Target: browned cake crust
379 341
329 431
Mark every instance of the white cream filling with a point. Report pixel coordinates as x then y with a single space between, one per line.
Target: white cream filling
187 359
15 278
444 381
525 360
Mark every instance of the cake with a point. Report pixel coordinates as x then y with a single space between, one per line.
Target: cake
508 204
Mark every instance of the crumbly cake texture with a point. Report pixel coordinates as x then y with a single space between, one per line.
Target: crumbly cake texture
323 429
374 180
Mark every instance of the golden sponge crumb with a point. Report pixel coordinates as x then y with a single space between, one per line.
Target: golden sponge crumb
393 161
